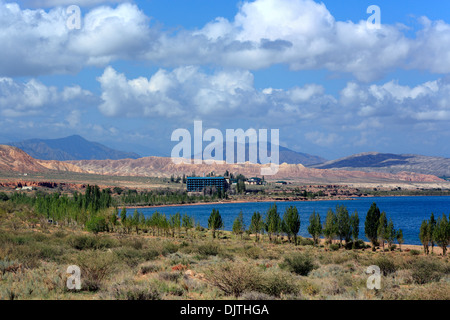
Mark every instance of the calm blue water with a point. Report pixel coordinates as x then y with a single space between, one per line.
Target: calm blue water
406 212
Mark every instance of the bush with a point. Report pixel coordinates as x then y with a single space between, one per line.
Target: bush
334 247
357 245
150 254
169 276
134 292
306 242
88 242
97 224
252 252
277 283
169 248
209 249
134 243
414 252
3 196
95 268
235 279
149 268
130 256
386 265
424 271
50 253
9 266
253 295
300 264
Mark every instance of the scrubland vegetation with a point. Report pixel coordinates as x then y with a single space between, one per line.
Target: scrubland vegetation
147 264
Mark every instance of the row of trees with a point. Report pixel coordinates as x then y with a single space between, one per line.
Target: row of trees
157 224
339 224
272 223
165 197
435 232
79 209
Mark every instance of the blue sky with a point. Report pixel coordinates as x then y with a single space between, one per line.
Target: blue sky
137 70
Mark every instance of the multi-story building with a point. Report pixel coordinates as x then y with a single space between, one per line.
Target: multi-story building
196 184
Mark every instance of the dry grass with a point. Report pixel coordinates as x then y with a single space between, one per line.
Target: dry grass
33 264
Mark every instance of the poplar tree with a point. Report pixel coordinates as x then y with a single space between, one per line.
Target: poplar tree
344 230
239 225
315 226
354 221
291 220
188 223
371 224
425 236
273 221
215 222
400 239
330 227
442 233
391 234
256 225
432 224
382 228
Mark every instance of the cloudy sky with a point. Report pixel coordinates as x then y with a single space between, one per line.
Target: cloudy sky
137 70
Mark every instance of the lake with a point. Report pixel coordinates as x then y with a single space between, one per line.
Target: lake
406 212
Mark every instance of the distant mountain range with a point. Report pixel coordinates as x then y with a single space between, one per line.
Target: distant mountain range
70 148
13 159
285 155
78 148
390 163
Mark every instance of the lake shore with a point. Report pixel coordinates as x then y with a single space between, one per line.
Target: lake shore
236 201
411 243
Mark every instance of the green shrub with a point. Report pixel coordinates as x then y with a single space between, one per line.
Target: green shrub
97 224
169 276
59 234
301 264
89 242
306 242
134 243
253 295
235 278
414 252
386 265
276 283
209 249
135 292
95 267
28 256
149 268
150 254
334 247
357 245
424 271
51 253
252 252
130 256
169 248
8 266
